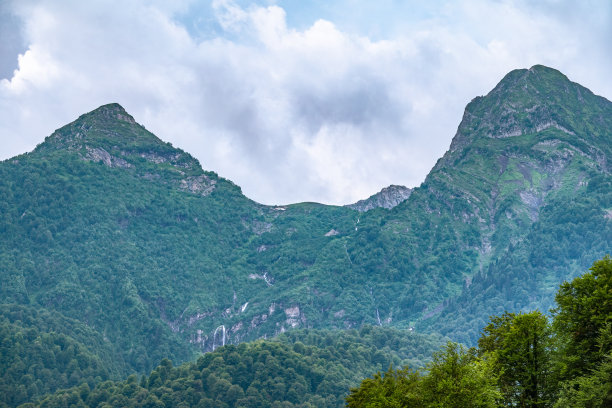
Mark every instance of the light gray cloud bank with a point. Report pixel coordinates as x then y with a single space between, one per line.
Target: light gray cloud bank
312 114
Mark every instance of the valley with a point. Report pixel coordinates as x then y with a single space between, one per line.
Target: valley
118 251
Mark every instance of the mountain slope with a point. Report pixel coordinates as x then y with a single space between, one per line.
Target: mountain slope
529 163
106 225
388 198
305 369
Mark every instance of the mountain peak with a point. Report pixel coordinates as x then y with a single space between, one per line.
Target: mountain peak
109 112
108 126
537 77
111 136
530 101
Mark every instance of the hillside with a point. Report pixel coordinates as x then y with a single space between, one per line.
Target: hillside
128 238
303 369
535 175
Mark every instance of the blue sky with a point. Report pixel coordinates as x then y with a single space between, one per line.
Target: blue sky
292 100
376 19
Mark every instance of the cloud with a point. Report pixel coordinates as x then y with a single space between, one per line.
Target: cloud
307 112
11 41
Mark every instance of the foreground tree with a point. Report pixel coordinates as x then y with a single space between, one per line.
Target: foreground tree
521 361
393 389
589 391
519 347
458 378
584 311
583 325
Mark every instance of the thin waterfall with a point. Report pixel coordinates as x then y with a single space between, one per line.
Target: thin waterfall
222 328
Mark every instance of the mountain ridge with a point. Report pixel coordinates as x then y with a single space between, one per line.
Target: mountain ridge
534 117
107 225
387 198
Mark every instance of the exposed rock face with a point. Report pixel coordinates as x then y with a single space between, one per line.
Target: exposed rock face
293 316
99 154
388 198
201 185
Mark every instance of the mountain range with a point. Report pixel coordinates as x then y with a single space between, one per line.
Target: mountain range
124 249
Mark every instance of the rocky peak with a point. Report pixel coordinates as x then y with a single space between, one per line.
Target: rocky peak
107 126
536 137
111 111
530 101
111 136
388 198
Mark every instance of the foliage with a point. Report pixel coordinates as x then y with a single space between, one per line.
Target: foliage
394 389
35 361
520 347
282 373
387 345
515 363
582 317
455 378
590 390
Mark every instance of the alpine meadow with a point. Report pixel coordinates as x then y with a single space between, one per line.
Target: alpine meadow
132 277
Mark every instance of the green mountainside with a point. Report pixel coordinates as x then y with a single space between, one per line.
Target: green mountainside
43 351
522 360
530 166
148 256
313 368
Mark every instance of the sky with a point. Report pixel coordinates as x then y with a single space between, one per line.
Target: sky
325 101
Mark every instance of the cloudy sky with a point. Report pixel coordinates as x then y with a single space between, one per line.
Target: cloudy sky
325 101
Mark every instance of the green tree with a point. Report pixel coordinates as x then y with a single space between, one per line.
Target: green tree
584 308
458 378
583 324
519 347
589 391
393 389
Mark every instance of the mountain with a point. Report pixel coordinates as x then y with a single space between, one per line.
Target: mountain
148 256
530 167
106 224
311 368
387 198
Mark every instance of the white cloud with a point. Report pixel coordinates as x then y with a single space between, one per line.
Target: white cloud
312 114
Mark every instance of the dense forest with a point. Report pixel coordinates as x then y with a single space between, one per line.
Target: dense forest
306 368
522 360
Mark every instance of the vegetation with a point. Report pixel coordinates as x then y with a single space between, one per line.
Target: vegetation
519 347
306 368
123 251
38 356
521 360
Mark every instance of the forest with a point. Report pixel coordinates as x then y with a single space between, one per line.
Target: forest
119 251
522 360
306 368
